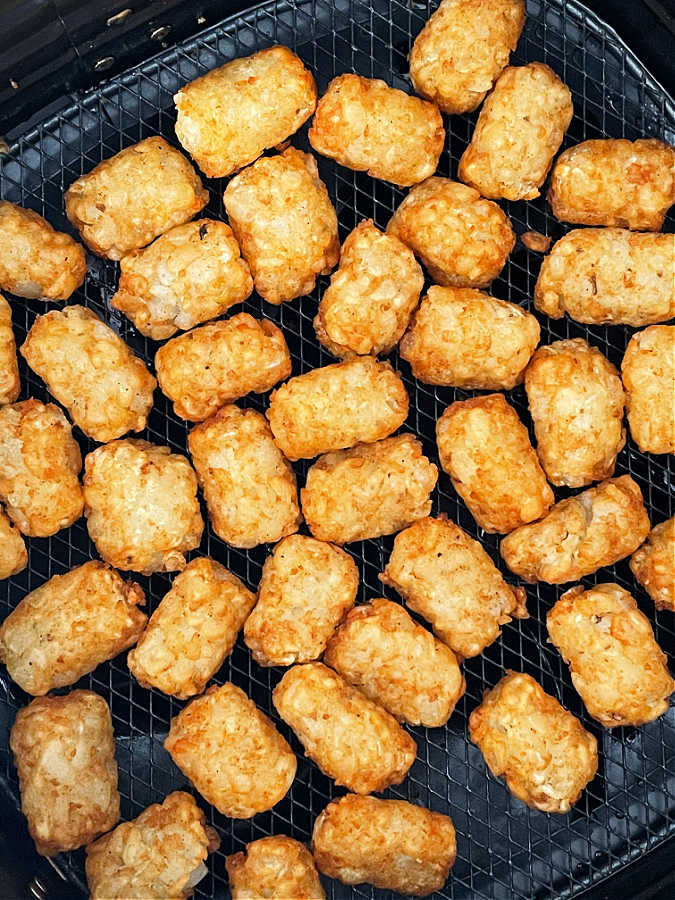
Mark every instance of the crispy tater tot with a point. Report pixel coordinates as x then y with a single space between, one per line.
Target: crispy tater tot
231 752
461 337
579 535
614 182
64 750
13 553
9 368
141 506
486 451
223 361
350 738
192 630
91 371
368 491
277 867
648 373
285 223
306 588
66 627
391 844
653 565
461 239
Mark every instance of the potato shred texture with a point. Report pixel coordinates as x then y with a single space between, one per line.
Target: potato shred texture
653 565
9 368
13 553
648 373
276 866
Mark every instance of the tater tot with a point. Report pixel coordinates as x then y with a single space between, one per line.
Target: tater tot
653 565
461 239
579 535
544 752
350 738
128 200
486 451
371 296
231 752
368 491
223 361
361 400
9 369
648 373
283 195
13 554
576 402
460 337
616 665
64 751
614 182
249 486
40 463
391 844
192 630
277 867
66 627
141 506
91 371
306 588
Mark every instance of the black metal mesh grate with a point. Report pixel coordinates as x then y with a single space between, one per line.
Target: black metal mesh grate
505 850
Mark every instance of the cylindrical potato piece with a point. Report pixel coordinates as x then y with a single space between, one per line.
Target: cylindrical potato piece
306 588
231 752
653 565
368 491
486 451
648 373
91 371
276 866
391 844
192 630
13 554
40 463
579 535
285 223
141 506
461 337
248 484
66 627
544 752
371 296
616 665
220 362
609 276
361 400
461 239
64 751
10 385
128 200
614 182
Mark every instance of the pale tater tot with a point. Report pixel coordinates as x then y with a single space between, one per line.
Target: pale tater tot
460 337
653 565
9 368
192 630
461 239
249 486
277 867
361 400
66 627
350 738
616 665
371 296
486 451
544 752
614 182
13 553
368 491
391 844
579 535
306 588
231 752
40 463
576 402
91 371
141 506
189 275
35 261
220 362
285 223
128 200
64 751
228 117
648 373
609 276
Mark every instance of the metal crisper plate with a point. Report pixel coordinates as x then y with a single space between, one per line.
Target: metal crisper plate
505 849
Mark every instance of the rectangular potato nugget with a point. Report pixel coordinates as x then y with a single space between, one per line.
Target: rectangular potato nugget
653 564
13 553
648 373
10 385
276 867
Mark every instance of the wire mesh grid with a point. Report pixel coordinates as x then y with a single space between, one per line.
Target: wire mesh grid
505 850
